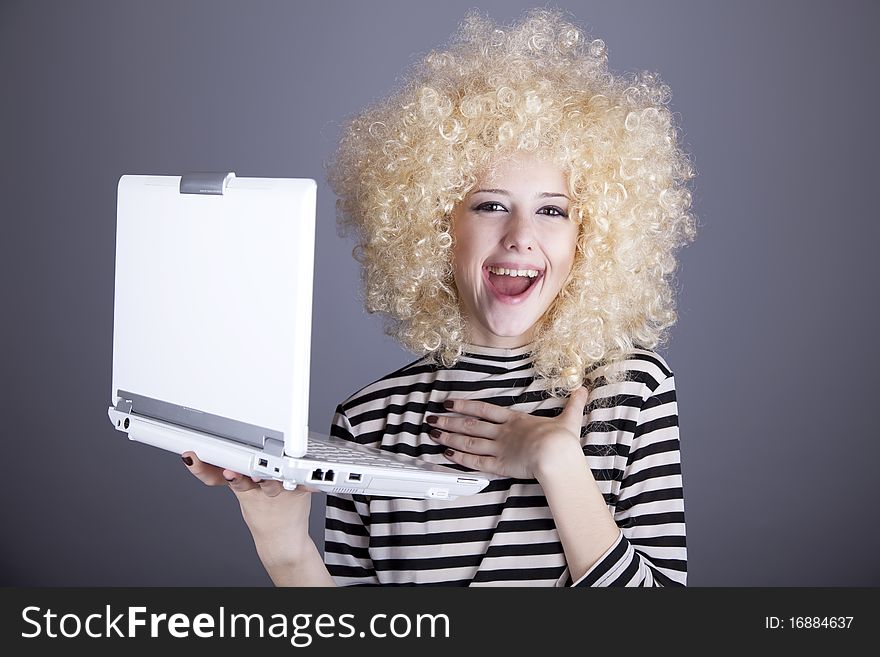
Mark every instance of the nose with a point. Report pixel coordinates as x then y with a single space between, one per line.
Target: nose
520 232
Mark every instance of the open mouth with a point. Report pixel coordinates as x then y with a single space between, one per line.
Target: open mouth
511 284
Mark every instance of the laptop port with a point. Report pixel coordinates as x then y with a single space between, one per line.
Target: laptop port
354 476
263 463
317 474
329 476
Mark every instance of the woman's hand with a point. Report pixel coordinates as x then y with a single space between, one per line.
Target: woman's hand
501 441
278 519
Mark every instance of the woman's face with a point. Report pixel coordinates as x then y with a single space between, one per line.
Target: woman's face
514 248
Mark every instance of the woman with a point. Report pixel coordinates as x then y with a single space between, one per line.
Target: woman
517 210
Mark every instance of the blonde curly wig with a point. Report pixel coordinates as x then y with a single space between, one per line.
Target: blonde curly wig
540 86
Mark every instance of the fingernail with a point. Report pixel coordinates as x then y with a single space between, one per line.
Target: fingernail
232 480
431 419
187 459
447 404
449 452
435 433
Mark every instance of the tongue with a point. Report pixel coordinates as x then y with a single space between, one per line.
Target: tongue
510 285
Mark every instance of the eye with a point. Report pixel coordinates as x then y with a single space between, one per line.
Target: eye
553 211
490 206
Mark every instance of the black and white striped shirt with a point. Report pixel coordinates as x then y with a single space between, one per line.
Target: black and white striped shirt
505 535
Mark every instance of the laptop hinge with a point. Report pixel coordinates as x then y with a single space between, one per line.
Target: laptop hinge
273 447
123 406
205 182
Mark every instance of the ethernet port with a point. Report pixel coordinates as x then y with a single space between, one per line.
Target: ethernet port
317 474
329 476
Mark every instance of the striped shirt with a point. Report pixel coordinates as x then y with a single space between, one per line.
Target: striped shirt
505 535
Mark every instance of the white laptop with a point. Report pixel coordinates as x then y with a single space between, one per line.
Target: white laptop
212 336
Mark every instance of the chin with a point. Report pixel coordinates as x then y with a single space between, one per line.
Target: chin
513 332
514 322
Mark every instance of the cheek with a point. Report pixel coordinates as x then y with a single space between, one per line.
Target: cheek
563 261
571 241
563 250
466 275
572 254
466 256
459 266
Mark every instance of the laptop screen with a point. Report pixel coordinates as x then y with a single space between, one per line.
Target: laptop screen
213 299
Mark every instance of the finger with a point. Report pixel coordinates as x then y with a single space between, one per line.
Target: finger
472 461
479 409
469 426
576 403
271 487
572 415
208 474
468 444
239 483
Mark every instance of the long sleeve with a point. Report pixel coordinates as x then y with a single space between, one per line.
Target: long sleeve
347 527
651 548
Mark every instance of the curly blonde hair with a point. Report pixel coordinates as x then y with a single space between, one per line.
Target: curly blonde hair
539 86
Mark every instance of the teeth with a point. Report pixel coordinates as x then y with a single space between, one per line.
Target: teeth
531 273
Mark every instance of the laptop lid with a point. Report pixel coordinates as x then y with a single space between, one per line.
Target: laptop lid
213 298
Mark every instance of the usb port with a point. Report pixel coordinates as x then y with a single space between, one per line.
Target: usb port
354 476
264 463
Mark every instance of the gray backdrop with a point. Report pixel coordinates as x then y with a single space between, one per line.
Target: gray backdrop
774 353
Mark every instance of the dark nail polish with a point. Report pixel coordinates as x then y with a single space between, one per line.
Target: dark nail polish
187 459
447 404
435 433
449 452
431 419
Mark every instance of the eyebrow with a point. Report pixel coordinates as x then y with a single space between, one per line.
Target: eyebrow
506 193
